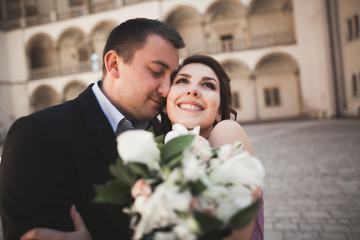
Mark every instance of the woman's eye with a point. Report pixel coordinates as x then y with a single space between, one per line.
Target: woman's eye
181 80
209 85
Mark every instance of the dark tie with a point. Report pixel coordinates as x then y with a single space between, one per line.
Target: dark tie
123 126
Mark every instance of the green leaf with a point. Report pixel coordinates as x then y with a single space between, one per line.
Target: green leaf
197 187
139 169
242 218
207 222
121 172
175 147
151 129
114 191
159 139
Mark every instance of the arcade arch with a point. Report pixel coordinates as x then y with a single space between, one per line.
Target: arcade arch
188 22
225 23
73 89
277 14
98 37
73 47
44 96
242 88
278 87
41 51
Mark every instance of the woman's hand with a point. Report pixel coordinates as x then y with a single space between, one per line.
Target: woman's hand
80 233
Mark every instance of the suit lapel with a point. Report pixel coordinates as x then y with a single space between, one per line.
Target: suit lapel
97 123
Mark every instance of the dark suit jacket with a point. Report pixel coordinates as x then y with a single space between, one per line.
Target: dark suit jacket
51 159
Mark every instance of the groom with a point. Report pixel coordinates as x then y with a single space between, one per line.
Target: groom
52 159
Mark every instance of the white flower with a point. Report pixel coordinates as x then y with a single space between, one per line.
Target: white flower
160 209
232 181
139 146
225 201
180 130
238 197
191 167
240 169
228 150
214 163
186 229
165 236
201 147
139 203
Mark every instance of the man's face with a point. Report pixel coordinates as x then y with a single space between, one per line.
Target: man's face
144 82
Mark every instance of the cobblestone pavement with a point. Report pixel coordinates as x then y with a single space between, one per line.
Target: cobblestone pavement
312 187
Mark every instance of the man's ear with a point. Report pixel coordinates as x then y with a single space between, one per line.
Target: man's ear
112 61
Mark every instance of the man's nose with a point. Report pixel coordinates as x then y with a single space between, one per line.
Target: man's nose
164 87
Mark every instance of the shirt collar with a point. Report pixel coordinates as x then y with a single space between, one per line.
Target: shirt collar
112 114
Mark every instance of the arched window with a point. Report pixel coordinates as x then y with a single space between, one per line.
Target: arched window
188 22
73 89
43 97
41 51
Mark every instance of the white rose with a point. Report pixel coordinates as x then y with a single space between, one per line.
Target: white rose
139 146
180 130
240 169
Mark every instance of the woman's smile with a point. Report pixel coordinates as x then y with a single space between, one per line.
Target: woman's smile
190 107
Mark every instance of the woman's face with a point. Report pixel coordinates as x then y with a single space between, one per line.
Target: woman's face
194 98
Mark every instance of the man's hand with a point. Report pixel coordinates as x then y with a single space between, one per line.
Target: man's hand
80 233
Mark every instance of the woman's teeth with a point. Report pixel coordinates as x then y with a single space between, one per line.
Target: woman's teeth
190 107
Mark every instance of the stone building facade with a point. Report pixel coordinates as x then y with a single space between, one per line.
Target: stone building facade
286 58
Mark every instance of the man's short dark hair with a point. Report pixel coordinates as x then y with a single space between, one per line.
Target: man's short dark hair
131 35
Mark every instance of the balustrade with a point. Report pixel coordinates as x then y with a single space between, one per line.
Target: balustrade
209 48
37 20
240 44
60 70
104 6
72 12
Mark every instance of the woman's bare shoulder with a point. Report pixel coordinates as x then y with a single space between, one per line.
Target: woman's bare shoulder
229 132
228 128
227 124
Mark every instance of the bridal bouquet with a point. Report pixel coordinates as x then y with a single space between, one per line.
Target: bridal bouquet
178 187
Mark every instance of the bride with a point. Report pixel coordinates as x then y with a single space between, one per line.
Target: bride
199 96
